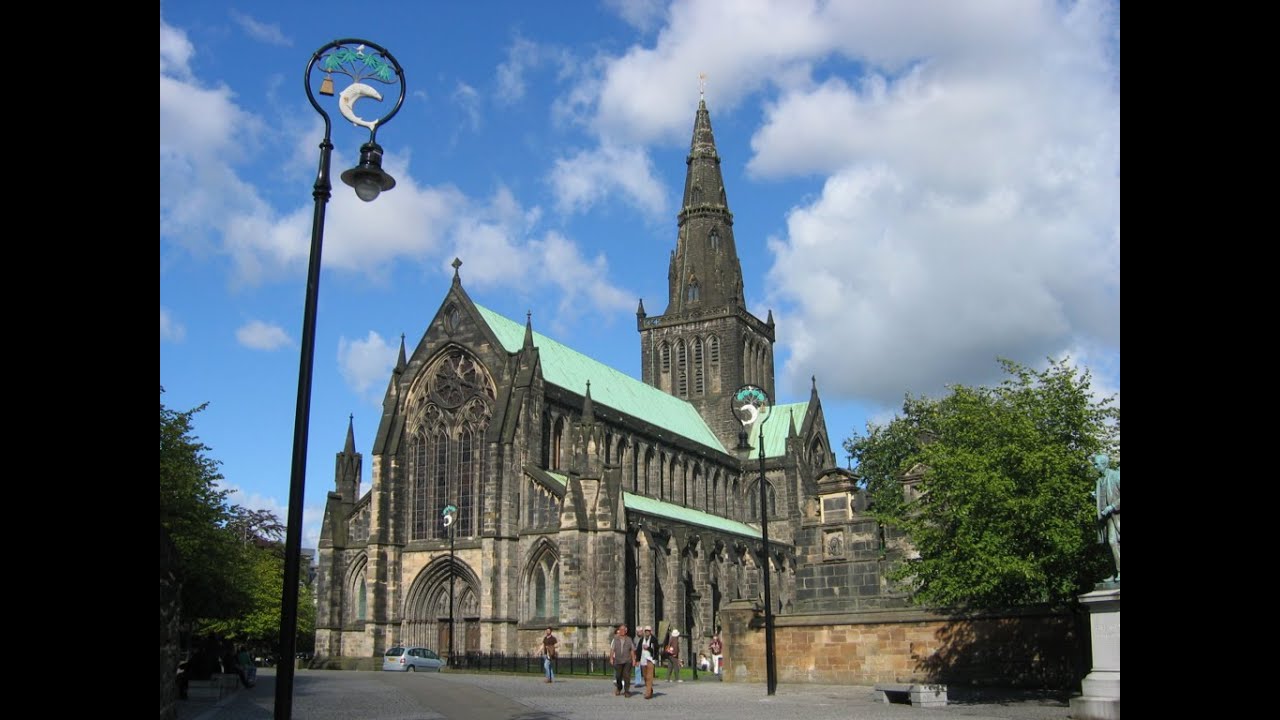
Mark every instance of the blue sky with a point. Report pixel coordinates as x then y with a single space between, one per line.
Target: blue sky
918 189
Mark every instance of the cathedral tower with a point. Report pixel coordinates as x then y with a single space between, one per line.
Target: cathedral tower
706 344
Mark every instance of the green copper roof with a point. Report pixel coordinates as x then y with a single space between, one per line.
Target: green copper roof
649 506
663 509
776 428
571 370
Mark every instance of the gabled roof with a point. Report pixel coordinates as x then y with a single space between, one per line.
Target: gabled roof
678 513
571 370
776 428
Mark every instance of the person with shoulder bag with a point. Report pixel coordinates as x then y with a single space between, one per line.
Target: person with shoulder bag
672 653
648 653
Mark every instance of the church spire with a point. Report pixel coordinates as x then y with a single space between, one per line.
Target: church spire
351 435
401 362
705 271
528 330
588 410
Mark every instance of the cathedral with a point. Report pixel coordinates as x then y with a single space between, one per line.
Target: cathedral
579 497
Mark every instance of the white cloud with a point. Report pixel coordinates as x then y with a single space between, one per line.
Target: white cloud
175 51
258 335
170 328
468 99
365 363
740 45
641 14
205 205
970 207
204 202
407 222
578 277
521 55
502 233
266 32
201 131
607 171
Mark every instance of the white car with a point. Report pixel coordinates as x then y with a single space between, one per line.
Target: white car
411 659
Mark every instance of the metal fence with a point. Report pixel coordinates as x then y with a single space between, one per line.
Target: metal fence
565 664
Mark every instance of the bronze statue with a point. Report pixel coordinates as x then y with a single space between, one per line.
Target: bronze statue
1107 494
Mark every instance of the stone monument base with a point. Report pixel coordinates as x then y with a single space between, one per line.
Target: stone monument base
1094 708
1100 689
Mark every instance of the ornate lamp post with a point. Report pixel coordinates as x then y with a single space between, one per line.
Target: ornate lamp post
359 60
750 406
448 516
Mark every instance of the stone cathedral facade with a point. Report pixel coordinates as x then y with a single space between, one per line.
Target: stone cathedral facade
586 497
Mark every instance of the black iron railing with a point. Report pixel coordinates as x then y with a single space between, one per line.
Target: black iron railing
565 664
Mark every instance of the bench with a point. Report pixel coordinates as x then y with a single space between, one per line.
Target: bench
218 686
917 695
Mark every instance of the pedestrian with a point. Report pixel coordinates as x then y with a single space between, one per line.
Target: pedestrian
248 671
672 653
717 653
648 659
549 643
622 655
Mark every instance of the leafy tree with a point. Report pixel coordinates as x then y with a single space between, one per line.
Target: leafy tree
193 511
1004 514
260 533
259 625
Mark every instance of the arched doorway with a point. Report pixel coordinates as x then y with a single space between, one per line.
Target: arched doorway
427 613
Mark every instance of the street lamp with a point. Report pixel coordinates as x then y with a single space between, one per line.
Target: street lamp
749 404
359 60
449 515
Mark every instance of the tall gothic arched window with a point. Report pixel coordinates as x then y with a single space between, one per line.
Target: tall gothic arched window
714 239
467 481
557 436
439 480
648 469
694 291
677 480
662 476
697 494
543 583
753 500
362 602
446 453
420 504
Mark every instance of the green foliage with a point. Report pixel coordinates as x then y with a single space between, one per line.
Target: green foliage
259 625
1005 516
193 511
231 560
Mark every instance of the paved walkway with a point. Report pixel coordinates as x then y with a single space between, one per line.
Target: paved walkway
335 695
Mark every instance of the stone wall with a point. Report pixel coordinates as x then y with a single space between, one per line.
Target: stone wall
1028 649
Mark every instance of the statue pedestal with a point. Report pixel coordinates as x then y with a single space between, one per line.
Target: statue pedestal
1100 699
